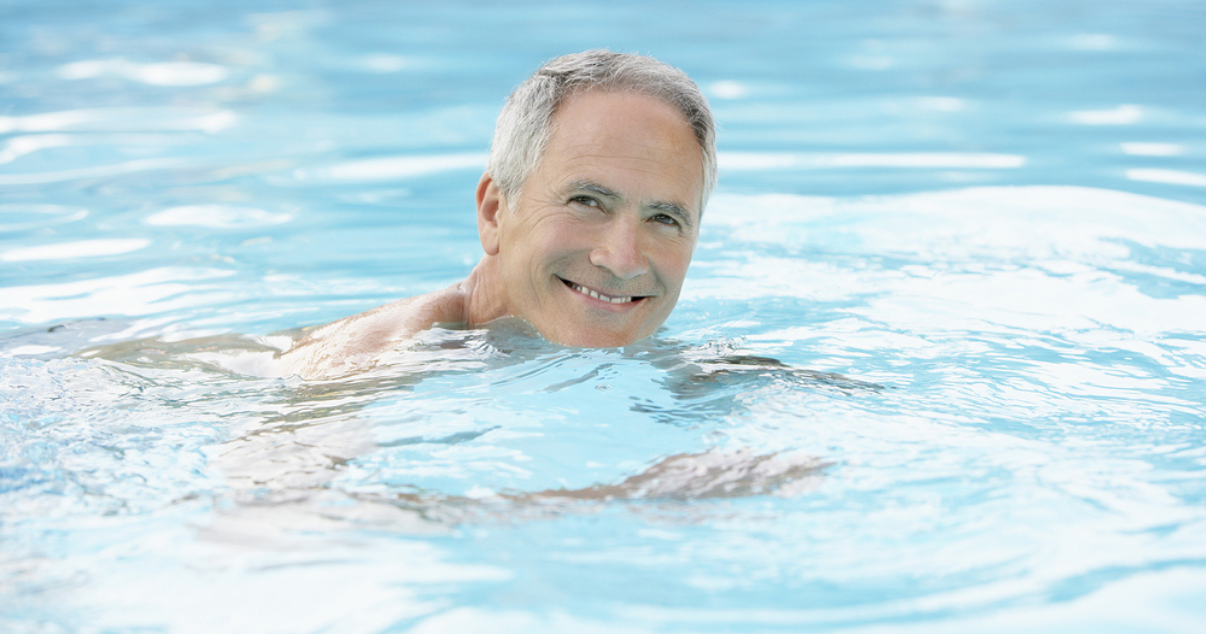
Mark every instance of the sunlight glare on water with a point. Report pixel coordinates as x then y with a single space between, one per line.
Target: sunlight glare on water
937 367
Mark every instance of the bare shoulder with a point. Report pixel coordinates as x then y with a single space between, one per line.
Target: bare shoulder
354 343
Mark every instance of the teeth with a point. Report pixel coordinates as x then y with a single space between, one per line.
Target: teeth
610 300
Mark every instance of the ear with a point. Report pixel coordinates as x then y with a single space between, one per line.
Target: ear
490 205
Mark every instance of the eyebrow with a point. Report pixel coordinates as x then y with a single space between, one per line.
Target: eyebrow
671 208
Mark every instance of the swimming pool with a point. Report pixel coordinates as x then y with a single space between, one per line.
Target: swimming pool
971 233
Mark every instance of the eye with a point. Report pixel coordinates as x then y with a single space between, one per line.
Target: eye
665 219
586 201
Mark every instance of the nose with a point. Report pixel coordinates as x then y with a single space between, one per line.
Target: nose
619 248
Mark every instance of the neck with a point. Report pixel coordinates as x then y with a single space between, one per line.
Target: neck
483 298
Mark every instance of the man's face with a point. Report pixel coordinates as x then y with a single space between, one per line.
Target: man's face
595 251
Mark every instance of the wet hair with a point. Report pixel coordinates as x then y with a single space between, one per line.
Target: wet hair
525 124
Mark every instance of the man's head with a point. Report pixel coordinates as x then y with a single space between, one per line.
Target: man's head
592 216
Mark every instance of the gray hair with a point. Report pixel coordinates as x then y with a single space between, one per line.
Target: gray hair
526 121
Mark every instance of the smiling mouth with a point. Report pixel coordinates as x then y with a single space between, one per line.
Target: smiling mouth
610 299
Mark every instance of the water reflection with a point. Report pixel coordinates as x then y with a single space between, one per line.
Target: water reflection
292 443
155 74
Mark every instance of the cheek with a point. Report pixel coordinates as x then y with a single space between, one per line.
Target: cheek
550 229
563 235
673 263
538 237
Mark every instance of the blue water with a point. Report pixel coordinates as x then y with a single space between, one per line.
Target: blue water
938 366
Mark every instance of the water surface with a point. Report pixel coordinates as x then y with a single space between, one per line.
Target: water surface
938 365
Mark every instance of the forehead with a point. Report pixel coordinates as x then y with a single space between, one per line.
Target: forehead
625 140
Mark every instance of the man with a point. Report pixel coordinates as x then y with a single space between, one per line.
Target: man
588 213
